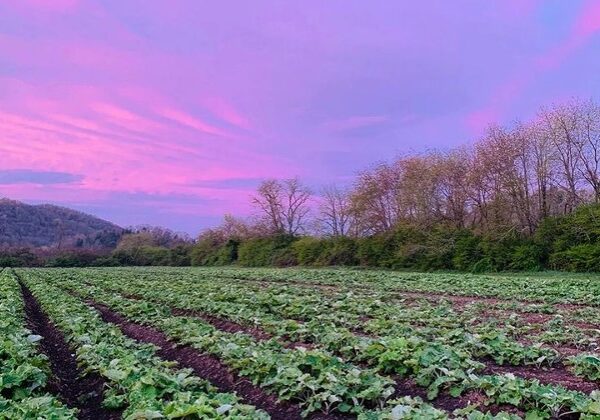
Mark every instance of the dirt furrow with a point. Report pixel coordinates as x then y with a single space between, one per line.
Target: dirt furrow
224 324
205 366
463 300
559 373
67 381
555 375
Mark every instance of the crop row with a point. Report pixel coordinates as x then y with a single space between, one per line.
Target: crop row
323 319
468 329
137 380
24 371
543 288
314 378
448 340
543 400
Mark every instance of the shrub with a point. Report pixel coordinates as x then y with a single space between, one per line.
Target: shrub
274 250
106 262
310 251
322 252
73 259
376 251
10 261
180 256
410 256
206 252
484 265
19 257
143 255
526 257
467 251
340 251
577 258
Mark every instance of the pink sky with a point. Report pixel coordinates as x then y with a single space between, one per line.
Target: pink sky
171 112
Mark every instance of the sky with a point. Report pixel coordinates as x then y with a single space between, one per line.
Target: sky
171 112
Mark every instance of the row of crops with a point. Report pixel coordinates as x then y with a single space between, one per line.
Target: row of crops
267 343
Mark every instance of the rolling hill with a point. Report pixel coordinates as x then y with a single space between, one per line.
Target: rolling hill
49 226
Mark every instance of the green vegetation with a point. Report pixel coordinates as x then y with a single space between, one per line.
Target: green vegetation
524 197
370 344
24 373
521 198
568 243
137 380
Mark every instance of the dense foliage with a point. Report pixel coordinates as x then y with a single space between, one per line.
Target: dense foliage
569 242
522 197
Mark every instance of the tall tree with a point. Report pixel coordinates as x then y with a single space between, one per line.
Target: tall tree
269 202
376 199
284 205
453 169
562 123
505 183
543 158
335 217
587 142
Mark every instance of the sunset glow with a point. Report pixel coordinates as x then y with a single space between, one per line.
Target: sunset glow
172 112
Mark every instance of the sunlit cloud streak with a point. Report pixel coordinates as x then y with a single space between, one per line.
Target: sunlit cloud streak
172 112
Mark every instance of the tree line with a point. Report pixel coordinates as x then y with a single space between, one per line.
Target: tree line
500 190
522 197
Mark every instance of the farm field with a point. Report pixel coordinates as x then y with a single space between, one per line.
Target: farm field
241 343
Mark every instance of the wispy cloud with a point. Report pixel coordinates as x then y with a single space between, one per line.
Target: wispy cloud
585 25
178 110
29 176
190 121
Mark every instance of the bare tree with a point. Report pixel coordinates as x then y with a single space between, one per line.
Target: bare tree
506 183
335 215
587 141
375 199
523 181
269 202
420 195
501 181
161 236
453 171
283 205
236 228
233 228
60 227
561 128
295 208
543 159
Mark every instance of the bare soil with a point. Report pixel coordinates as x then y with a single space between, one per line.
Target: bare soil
555 375
207 367
224 324
67 382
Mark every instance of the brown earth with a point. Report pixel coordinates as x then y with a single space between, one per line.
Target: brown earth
67 381
207 367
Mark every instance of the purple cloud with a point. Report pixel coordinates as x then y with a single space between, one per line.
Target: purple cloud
181 107
27 176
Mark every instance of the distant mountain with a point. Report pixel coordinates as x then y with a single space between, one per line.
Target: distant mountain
45 225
